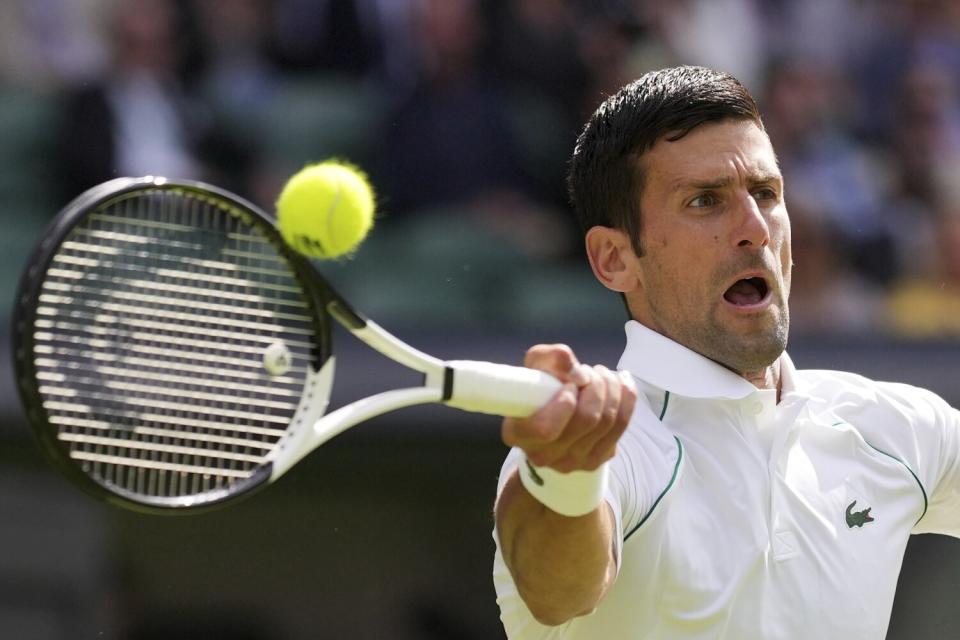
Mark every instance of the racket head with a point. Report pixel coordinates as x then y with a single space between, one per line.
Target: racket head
143 326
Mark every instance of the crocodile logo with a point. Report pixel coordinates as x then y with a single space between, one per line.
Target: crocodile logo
858 518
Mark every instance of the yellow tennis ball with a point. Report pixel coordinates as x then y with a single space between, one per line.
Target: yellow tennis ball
326 210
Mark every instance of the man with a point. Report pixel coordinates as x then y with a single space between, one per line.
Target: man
715 491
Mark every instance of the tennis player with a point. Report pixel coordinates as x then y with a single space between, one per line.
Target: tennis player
710 489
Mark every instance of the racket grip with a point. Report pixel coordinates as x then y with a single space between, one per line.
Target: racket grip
498 389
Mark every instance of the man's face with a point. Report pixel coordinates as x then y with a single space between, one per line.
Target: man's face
715 273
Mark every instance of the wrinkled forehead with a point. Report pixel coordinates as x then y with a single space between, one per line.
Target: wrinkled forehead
730 150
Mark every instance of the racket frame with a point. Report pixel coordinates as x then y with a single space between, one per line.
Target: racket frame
470 385
24 343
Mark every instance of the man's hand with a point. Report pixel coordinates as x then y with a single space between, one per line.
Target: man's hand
580 427
563 566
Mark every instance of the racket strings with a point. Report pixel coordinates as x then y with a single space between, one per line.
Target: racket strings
149 343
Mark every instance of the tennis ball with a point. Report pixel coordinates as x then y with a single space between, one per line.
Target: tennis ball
326 210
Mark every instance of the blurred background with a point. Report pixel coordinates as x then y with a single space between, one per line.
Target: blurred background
464 113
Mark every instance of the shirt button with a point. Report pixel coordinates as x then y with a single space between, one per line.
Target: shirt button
756 408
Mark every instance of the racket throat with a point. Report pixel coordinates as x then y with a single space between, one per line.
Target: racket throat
448 376
314 400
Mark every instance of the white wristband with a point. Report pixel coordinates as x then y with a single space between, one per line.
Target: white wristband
570 494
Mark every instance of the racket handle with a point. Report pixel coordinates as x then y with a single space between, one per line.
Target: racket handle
498 389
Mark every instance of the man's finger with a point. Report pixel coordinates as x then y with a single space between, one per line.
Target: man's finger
605 447
546 425
558 360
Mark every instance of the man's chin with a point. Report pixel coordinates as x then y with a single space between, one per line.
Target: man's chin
751 348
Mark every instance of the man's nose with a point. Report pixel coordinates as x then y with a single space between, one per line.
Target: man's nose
753 228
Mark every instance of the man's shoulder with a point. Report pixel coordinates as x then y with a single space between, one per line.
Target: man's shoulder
831 381
822 380
859 393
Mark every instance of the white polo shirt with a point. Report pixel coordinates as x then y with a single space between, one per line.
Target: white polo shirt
742 518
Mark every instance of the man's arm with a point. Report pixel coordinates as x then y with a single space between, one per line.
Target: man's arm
563 566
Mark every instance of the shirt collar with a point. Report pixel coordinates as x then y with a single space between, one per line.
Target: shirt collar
669 365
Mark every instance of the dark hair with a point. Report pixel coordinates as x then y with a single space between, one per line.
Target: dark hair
605 180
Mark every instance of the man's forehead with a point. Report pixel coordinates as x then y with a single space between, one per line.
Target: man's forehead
720 152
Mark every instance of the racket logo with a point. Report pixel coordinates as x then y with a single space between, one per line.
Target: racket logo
277 359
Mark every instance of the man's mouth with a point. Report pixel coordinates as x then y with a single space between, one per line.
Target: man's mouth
747 292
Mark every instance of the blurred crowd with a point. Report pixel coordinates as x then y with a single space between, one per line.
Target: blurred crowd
464 113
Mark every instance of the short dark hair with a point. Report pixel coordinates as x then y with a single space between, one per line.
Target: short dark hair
605 180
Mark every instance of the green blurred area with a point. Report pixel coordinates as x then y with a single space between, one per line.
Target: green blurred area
28 199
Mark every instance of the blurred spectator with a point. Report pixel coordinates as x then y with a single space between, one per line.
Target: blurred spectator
831 33
622 40
238 73
451 141
543 78
721 34
328 35
239 83
925 135
826 295
535 44
929 306
924 146
828 174
618 45
370 39
450 138
44 43
139 118
908 33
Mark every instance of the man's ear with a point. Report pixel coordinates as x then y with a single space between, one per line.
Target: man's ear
612 258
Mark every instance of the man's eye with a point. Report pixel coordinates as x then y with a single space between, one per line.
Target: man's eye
704 200
764 194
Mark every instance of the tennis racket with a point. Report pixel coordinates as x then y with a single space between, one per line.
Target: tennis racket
172 352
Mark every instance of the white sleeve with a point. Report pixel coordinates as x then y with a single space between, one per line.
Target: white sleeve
646 461
921 430
938 436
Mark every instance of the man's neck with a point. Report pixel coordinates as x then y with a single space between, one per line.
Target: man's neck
766 378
